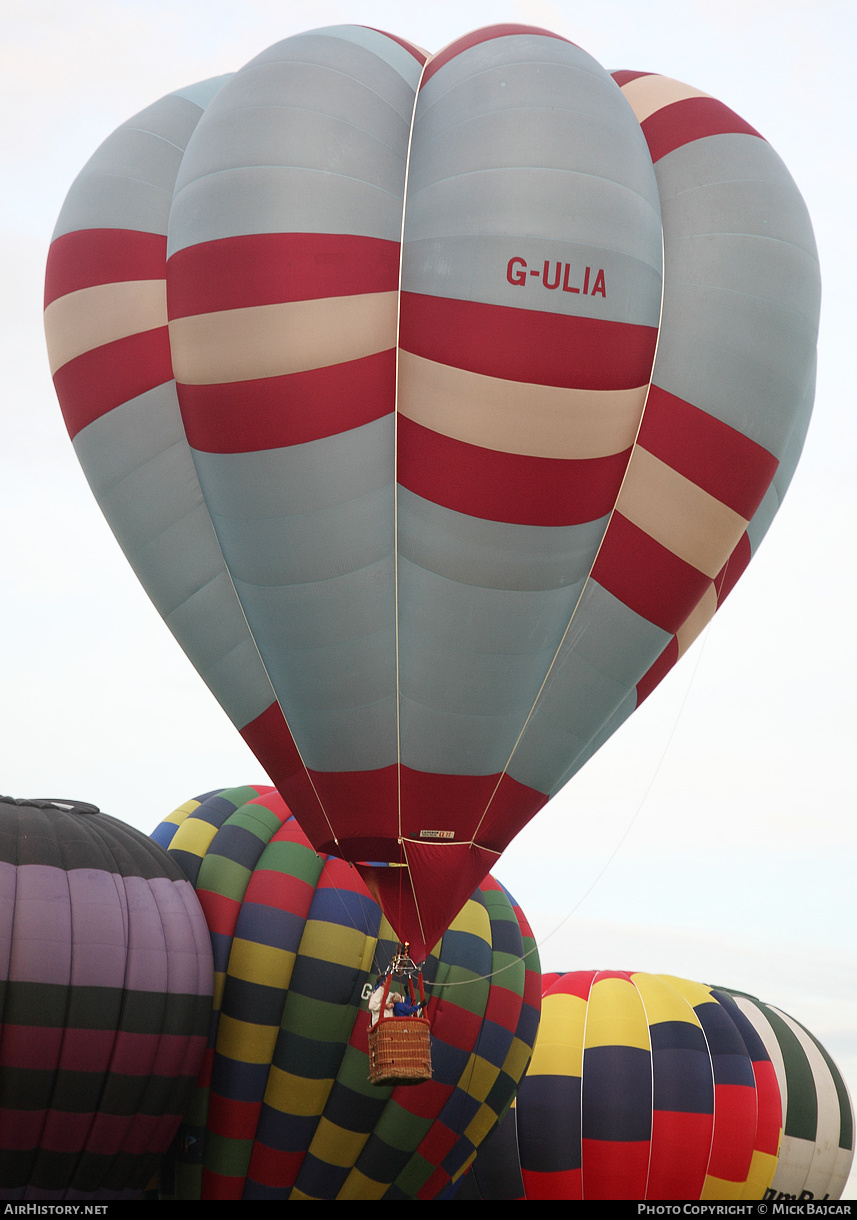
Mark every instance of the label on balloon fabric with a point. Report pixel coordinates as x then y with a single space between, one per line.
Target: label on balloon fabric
437 834
589 281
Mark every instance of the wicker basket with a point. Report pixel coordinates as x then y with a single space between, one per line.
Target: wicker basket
399 1051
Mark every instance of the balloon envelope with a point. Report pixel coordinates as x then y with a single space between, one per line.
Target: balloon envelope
641 1087
554 1142
438 403
283 1108
817 1148
106 993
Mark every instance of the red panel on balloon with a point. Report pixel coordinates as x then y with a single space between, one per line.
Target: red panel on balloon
719 459
105 377
563 1184
512 487
271 412
480 36
527 345
614 1169
692 118
649 579
270 268
681 1142
88 257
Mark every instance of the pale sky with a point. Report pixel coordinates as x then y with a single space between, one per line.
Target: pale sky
714 836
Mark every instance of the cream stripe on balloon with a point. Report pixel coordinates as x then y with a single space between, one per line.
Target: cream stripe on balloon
678 514
516 417
647 94
697 620
89 318
273 340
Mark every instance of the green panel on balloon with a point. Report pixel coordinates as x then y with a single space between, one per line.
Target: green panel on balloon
285 1110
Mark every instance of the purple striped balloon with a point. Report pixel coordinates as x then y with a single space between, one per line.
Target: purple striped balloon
106 981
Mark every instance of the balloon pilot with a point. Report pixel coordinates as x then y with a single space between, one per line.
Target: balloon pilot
398 1003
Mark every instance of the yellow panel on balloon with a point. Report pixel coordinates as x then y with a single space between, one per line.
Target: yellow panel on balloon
299 1095
347 949
245 1042
335 1145
264 964
193 836
616 1015
559 1043
662 1001
358 1186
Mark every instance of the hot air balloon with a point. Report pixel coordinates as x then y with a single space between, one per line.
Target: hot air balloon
283 1108
633 1070
641 1087
438 402
817 1148
106 999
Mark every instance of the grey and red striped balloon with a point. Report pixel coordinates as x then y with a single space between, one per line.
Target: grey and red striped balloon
438 402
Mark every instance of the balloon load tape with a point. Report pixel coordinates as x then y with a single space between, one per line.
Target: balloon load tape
400 1038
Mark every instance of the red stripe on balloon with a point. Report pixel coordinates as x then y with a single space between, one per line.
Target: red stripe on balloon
130 1134
713 455
103 1134
269 738
724 583
558 1184
729 574
231 1118
443 877
511 487
274 1167
503 1008
361 799
94 1050
680 1145
579 982
614 1169
625 76
94 383
692 118
479 36
428 1100
221 914
463 1030
220 1185
62 1130
102 256
21 1130
274 412
527 345
270 268
734 1131
646 577
657 672
496 812
769 1107
266 888
443 873
439 1140
30 1046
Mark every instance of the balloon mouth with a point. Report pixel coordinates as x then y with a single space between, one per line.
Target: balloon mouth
59 803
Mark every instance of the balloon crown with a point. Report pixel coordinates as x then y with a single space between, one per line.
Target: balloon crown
44 802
